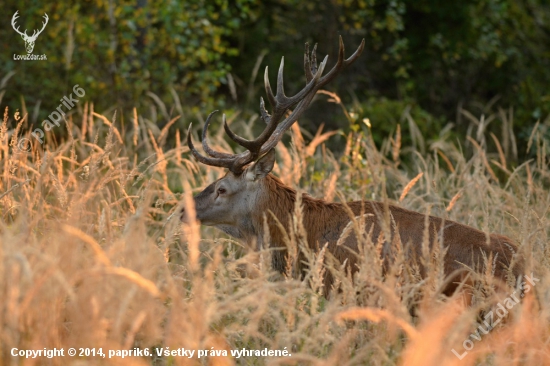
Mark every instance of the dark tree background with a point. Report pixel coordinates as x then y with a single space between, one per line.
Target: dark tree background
429 56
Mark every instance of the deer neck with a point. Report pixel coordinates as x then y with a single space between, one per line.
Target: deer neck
322 221
278 204
274 208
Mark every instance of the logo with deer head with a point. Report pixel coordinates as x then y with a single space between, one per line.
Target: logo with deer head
29 40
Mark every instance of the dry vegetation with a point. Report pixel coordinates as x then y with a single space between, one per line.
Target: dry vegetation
93 254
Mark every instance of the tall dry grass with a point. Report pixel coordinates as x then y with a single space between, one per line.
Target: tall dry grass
93 254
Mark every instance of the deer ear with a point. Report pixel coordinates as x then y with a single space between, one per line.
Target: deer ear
263 166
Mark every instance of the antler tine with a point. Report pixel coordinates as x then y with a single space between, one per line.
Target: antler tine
341 62
285 125
14 25
305 96
268 90
282 103
14 18
307 64
266 117
207 149
254 146
313 64
276 125
286 102
317 83
280 83
238 139
279 102
225 162
44 23
310 64
356 54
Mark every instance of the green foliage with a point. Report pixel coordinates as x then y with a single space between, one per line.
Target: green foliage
440 56
472 51
437 56
385 114
118 51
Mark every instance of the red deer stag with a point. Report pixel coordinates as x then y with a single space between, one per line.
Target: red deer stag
238 202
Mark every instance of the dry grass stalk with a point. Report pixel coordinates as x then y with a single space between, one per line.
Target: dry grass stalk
409 186
92 255
453 201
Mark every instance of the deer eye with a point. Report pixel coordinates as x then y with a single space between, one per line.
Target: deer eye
221 190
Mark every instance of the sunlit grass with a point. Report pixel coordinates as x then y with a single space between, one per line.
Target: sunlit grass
93 254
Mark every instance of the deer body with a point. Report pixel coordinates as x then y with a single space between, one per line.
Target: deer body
248 196
237 205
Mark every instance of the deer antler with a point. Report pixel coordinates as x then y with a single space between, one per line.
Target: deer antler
43 26
13 19
35 33
280 103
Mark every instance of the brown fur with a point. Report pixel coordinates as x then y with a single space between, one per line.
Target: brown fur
324 223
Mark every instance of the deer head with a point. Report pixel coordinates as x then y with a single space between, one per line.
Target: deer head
29 40
231 202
